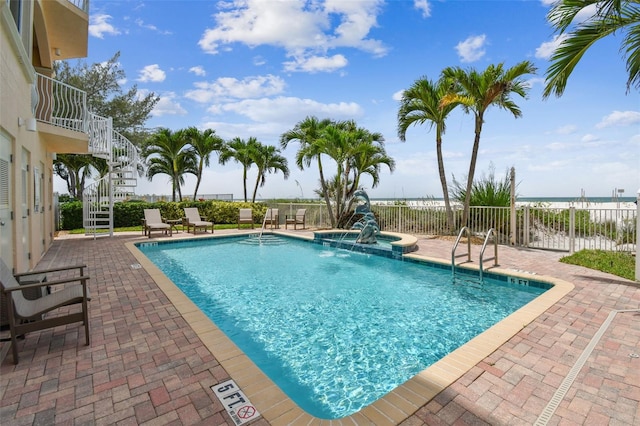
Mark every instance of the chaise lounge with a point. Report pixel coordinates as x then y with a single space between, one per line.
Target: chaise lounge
272 218
193 219
153 222
297 219
27 315
245 216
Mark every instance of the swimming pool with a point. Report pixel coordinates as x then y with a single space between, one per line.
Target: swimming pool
322 323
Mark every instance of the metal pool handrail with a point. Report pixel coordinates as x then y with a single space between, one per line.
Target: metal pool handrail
455 246
495 250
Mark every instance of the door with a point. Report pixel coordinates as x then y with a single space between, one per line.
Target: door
6 222
25 213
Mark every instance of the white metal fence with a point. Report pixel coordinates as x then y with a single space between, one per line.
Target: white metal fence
565 229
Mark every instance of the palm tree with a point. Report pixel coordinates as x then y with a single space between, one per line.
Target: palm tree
479 91
364 153
242 152
166 152
74 169
611 17
202 144
422 103
268 160
308 133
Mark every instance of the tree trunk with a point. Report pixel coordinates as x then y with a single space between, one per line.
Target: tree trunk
327 200
472 169
443 182
244 182
255 189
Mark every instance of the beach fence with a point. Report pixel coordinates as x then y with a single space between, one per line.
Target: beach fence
548 228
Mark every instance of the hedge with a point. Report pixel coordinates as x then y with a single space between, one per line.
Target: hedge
130 213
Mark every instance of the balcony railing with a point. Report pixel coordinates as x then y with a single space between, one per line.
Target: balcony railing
81 4
60 105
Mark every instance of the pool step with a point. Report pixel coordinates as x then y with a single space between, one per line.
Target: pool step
271 240
468 281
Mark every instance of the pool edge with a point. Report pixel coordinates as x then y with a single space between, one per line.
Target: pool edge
392 408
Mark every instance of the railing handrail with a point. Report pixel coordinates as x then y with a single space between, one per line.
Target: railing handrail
81 4
60 104
484 246
455 246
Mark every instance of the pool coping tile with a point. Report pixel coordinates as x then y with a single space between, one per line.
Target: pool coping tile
277 408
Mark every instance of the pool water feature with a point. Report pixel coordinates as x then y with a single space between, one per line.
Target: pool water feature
336 330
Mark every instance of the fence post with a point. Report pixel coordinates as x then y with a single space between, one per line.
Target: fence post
512 204
572 229
638 235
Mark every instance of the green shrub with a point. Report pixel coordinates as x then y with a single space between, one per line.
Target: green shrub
130 213
71 215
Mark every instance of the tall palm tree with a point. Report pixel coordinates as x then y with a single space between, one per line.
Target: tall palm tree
242 152
308 133
203 145
268 159
611 17
166 152
422 103
480 90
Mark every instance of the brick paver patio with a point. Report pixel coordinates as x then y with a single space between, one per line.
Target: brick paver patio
145 364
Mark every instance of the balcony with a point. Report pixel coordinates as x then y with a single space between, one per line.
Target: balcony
61 30
61 112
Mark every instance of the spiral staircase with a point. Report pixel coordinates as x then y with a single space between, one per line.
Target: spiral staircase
117 185
65 107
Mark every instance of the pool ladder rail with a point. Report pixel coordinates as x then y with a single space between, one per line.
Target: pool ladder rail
465 231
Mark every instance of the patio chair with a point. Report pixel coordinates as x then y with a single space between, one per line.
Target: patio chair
193 219
153 222
272 218
245 216
295 220
27 315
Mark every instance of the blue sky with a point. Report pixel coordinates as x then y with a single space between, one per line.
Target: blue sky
257 67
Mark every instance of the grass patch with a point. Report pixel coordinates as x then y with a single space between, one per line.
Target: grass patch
612 262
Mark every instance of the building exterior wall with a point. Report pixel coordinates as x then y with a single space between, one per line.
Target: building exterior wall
28 230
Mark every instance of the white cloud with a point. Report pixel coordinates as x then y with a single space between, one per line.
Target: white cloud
589 138
198 70
398 95
99 26
548 2
566 130
546 49
141 24
230 87
303 29
152 73
316 64
472 48
619 118
290 110
168 105
423 6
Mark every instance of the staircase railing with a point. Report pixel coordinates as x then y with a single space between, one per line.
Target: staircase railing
122 158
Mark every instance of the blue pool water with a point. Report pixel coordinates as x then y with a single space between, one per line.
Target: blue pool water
335 330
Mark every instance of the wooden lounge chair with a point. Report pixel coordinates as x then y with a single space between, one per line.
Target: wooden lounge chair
153 222
297 219
28 315
245 216
193 219
272 218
